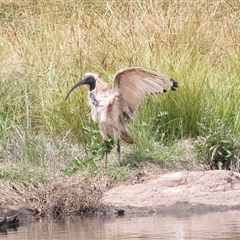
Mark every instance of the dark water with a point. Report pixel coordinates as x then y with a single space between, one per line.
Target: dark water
221 225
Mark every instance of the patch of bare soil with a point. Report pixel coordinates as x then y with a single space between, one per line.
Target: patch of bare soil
179 191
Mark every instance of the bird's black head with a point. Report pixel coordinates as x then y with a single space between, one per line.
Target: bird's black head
89 79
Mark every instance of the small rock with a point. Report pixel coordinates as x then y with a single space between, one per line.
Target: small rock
119 212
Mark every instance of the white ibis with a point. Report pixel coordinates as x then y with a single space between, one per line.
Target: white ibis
110 107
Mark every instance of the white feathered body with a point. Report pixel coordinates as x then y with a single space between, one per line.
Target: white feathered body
108 115
110 107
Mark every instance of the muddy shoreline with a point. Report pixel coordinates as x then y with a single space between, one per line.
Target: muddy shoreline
178 194
177 209
13 218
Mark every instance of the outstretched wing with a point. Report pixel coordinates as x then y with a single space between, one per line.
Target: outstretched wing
132 84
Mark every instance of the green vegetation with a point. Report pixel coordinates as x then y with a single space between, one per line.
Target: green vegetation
46 46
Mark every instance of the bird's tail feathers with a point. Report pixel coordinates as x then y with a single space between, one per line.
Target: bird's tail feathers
125 136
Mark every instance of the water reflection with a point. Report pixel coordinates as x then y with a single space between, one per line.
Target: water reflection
221 225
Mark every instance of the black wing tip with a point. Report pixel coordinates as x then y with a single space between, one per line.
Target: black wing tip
173 88
175 84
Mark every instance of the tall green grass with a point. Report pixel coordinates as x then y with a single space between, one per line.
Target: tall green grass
46 46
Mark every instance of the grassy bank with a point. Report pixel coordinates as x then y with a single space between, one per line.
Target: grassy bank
46 46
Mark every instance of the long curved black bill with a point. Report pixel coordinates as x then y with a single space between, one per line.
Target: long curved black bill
90 80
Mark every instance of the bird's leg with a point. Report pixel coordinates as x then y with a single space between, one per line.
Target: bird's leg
119 154
105 153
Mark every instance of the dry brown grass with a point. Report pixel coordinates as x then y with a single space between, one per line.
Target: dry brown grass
11 193
59 198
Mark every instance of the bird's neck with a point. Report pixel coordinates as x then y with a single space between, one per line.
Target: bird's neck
93 99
